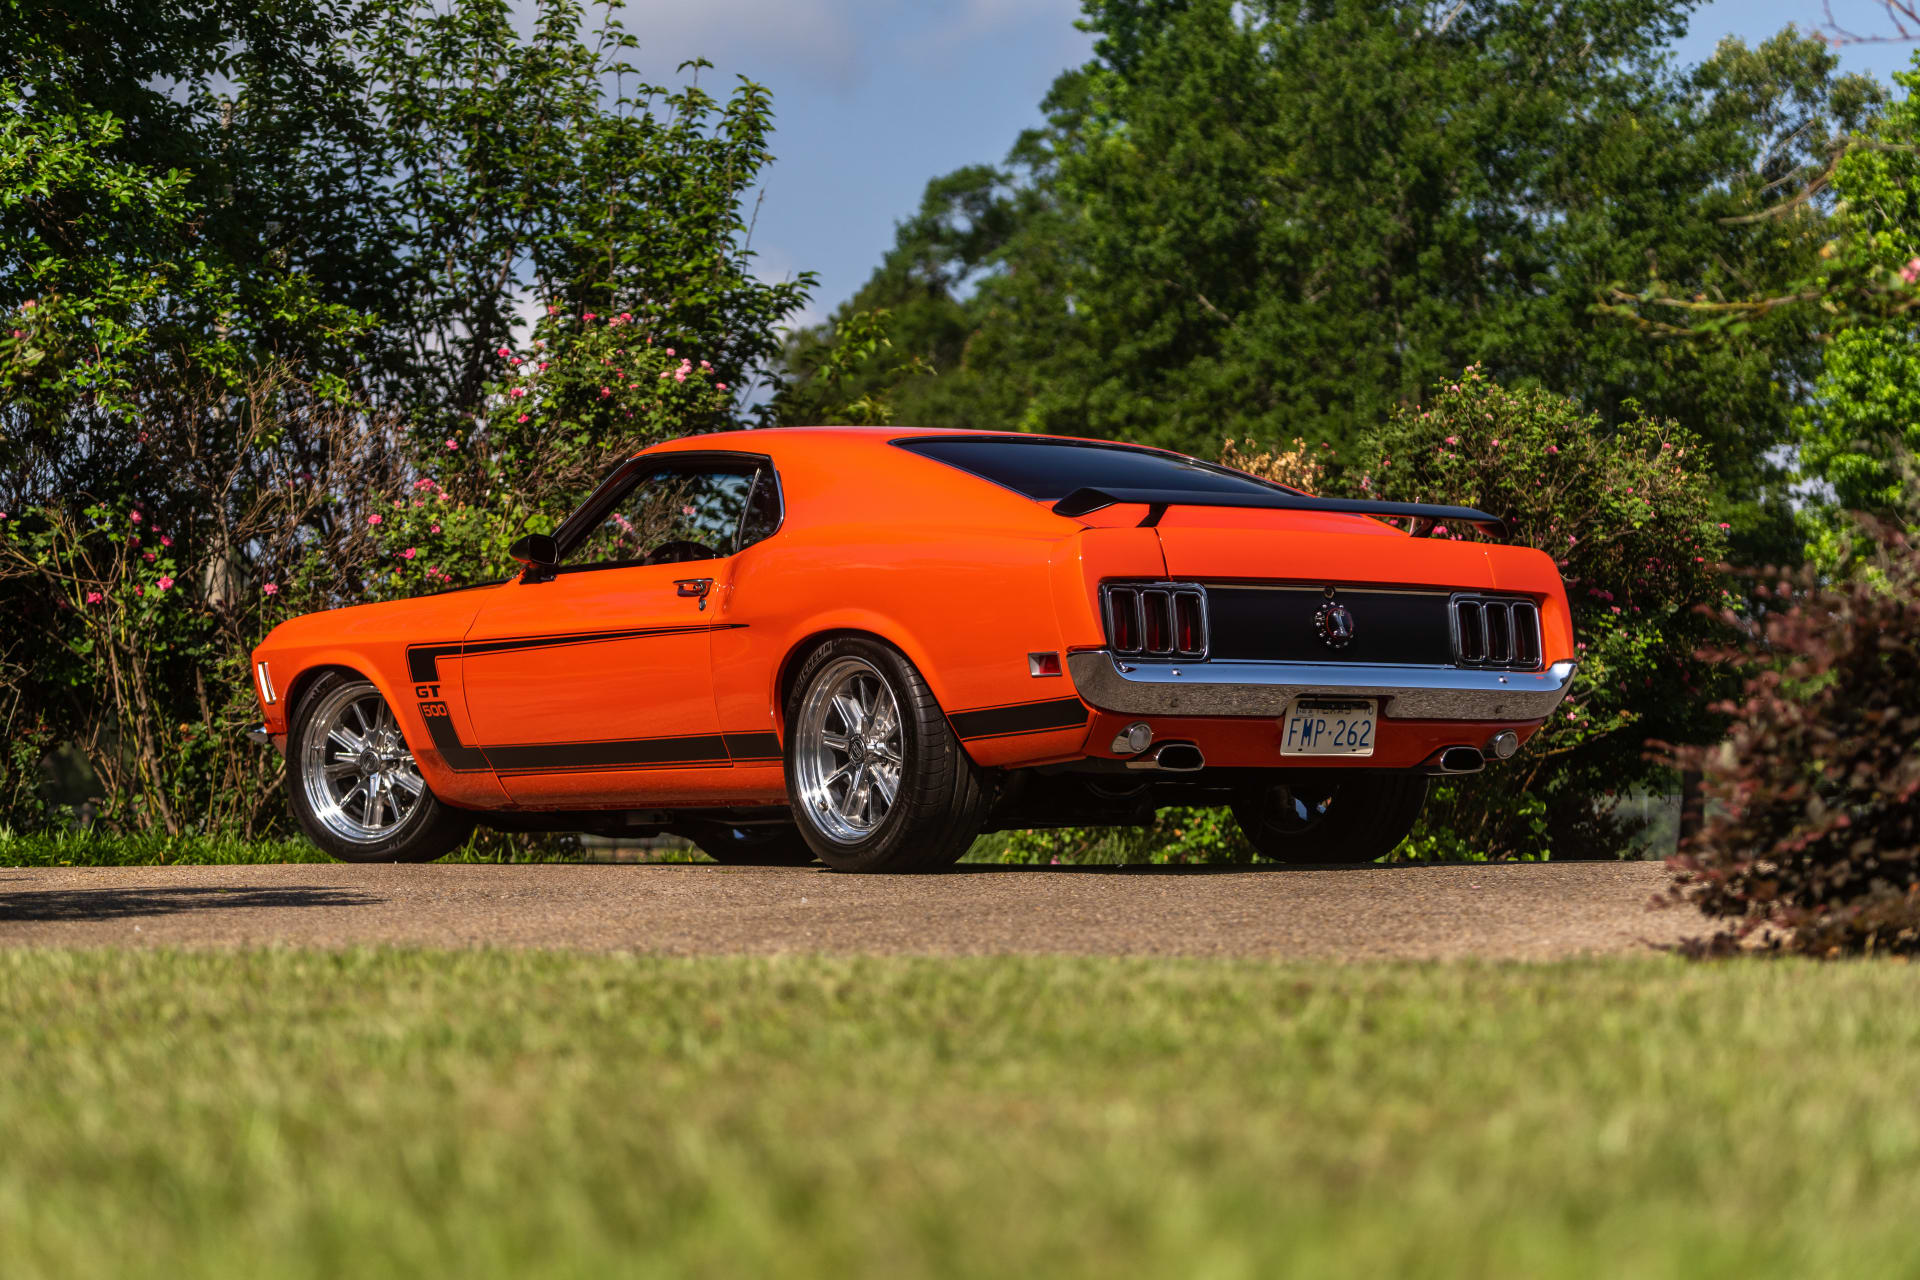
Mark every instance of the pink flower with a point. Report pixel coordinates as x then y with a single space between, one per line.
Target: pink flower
140 591
706 366
18 334
433 529
409 553
165 541
93 597
3 515
590 317
1453 439
1553 449
552 310
135 517
543 366
1910 273
450 444
720 386
1439 531
517 392
679 375
605 392
373 519
270 589
1725 525
165 583
506 351
687 511
669 350
521 418
27 305
665 374
148 556
516 360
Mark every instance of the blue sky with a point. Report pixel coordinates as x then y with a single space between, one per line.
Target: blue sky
874 97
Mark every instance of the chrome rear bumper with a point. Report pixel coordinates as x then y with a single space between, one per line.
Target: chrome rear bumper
1266 688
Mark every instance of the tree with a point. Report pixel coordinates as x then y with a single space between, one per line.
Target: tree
1275 220
268 273
1860 426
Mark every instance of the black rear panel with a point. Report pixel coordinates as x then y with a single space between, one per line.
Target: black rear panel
1262 624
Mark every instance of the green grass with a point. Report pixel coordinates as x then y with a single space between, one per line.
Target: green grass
267 1114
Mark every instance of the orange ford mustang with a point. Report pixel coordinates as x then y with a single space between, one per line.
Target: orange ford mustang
869 645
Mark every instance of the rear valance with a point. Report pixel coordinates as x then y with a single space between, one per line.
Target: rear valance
1421 516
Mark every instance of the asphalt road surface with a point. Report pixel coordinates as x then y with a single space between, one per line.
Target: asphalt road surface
1526 911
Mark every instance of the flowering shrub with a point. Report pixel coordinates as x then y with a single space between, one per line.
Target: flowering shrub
1812 828
1625 513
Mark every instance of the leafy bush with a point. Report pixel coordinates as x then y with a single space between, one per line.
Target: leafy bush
1625 512
262 280
1812 829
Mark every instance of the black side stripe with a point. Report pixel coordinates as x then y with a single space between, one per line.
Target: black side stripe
627 753
446 740
711 749
423 660
1021 717
753 747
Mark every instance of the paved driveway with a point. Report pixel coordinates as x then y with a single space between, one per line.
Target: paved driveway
1533 911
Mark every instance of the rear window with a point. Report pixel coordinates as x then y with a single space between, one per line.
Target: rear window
1051 469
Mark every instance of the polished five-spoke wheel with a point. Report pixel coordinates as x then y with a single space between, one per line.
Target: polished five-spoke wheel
355 787
849 761
876 778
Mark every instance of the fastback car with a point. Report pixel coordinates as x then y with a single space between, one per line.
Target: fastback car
869 645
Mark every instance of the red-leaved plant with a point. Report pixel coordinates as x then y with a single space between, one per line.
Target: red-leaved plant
1811 836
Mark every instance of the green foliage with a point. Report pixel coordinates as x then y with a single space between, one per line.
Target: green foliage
1626 513
1177 836
1273 221
258 267
1864 411
847 380
1812 833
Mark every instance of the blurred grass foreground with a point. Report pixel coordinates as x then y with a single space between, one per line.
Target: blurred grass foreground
384 1113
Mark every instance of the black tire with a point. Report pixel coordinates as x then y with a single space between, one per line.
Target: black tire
760 845
1329 817
427 829
940 798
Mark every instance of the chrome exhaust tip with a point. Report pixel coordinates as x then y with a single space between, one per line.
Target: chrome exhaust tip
1133 739
1174 757
1180 757
1462 760
1504 744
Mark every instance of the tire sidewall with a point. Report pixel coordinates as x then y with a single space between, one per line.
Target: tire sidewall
430 831
883 845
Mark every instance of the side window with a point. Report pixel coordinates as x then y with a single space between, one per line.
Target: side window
669 517
763 508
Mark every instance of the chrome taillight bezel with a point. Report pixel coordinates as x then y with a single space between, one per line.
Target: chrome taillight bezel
1144 620
1495 632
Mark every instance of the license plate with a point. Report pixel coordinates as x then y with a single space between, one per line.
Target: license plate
1329 727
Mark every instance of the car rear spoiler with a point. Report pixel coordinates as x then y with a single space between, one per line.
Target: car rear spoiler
1421 516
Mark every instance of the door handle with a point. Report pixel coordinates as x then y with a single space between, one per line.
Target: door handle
693 586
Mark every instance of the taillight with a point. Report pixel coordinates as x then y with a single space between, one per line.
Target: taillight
1156 619
1496 631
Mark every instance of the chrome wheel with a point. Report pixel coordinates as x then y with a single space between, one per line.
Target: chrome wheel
360 779
848 756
